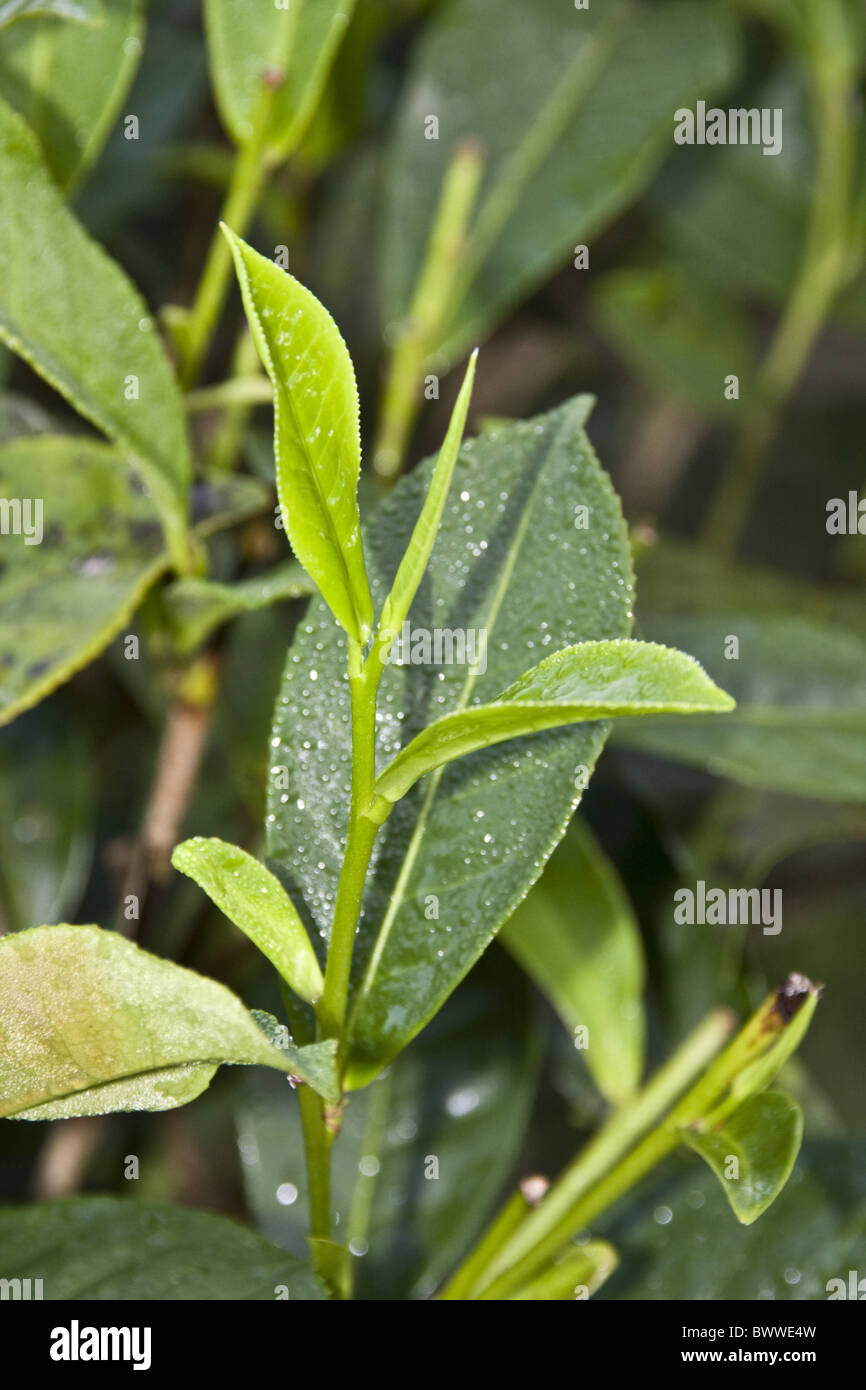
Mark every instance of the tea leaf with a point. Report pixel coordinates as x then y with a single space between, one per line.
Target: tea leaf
460 1095
249 895
317 438
78 321
577 937
89 1024
64 599
414 562
271 62
532 551
594 680
763 1137
68 82
126 1249
800 687
566 149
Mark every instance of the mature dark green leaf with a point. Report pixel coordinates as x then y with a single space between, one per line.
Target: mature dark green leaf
658 321
763 1136
422 1154
577 937
101 547
270 62
88 12
591 681
70 311
198 606
252 898
574 124
115 1248
314 392
68 82
89 1023
800 687
456 856
48 784
677 1241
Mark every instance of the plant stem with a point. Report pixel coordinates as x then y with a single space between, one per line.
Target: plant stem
541 1233
239 391
824 270
249 172
317 1144
331 1009
429 309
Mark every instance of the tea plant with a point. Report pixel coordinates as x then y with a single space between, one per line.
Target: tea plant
461 661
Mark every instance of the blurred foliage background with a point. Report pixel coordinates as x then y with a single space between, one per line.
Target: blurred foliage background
701 263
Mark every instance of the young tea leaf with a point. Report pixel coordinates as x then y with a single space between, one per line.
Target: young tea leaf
594 680
78 321
576 1277
577 937
414 562
256 901
317 439
90 1024
753 1152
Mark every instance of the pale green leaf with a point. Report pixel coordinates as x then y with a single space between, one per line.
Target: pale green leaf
62 601
576 122
125 1249
594 680
251 897
577 937
68 82
90 1023
73 315
457 855
317 439
423 538
763 1136
269 62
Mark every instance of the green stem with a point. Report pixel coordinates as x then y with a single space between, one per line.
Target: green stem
249 172
317 1145
542 1232
470 1276
240 390
428 312
825 268
331 1009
